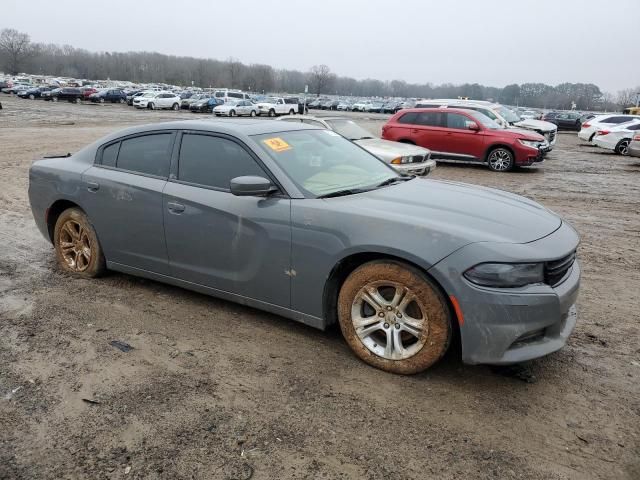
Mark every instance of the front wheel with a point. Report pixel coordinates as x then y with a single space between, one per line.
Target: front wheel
123 100
77 248
232 113
623 147
151 106
394 317
32 96
500 160
291 112
272 113
175 107
253 113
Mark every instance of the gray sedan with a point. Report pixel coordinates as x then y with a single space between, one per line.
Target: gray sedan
403 157
302 222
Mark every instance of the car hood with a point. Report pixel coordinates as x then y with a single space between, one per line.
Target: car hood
265 104
388 150
464 213
540 125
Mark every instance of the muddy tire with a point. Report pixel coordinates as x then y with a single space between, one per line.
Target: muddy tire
78 251
393 317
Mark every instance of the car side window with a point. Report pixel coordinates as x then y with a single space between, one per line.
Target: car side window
109 154
430 119
618 119
147 154
409 118
634 127
213 161
455 120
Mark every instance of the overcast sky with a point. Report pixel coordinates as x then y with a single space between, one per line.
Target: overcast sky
491 42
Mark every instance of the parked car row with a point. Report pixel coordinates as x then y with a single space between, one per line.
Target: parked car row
614 132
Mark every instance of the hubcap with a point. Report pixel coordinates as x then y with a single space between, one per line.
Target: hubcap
75 246
389 320
500 160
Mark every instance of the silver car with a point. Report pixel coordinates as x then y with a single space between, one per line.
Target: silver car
236 108
404 157
301 222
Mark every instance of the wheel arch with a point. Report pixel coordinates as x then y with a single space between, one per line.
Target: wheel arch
54 212
492 147
344 267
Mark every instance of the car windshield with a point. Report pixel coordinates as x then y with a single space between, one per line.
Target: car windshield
149 94
484 120
322 163
507 114
349 129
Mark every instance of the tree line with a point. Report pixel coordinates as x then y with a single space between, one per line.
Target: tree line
19 55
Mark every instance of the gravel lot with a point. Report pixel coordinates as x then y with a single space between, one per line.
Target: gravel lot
216 390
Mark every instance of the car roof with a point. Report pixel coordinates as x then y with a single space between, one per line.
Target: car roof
235 127
439 109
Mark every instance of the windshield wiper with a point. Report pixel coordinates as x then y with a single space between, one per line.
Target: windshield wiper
342 193
392 180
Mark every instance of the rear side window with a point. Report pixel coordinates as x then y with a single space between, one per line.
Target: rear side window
409 118
235 95
617 120
430 119
109 155
455 120
214 161
147 154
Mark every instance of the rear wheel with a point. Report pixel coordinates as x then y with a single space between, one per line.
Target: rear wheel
77 248
623 147
151 106
500 160
393 317
32 96
123 100
232 113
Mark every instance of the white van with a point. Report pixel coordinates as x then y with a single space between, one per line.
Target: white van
226 95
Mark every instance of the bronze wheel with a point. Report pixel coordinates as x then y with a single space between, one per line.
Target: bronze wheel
76 244
393 317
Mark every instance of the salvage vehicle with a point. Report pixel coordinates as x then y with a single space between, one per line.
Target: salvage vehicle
501 115
617 138
206 104
634 146
567 120
236 108
274 106
70 94
112 95
155 100
301 222
405 158
589 128
462 135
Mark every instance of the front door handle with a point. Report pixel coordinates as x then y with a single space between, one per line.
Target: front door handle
93 186
175 207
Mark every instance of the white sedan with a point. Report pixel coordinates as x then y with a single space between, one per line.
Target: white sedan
154 100
231 109
617 138
601 122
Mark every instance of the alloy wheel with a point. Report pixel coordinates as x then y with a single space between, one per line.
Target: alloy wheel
500 160
389 320
75 246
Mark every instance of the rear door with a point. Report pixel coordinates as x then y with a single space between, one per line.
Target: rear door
462 143
122 195
429 131
240 245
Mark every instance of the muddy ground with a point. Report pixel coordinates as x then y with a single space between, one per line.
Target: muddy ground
216 390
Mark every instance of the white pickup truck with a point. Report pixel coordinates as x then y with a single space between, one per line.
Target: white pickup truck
275 106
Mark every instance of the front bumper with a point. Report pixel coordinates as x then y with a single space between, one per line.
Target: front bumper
506 326
420 169
585 134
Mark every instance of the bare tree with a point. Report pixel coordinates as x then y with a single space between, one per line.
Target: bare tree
17 48
628 96
320 78
234 68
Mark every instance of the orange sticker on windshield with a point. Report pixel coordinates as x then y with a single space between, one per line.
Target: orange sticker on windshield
277 144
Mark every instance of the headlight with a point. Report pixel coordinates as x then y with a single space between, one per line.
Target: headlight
505 275
401 160
529 143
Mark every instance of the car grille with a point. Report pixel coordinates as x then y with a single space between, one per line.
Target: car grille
418 159
555 271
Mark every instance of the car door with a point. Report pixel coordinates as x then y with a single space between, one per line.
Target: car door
240 245
429 130
462 142
122 197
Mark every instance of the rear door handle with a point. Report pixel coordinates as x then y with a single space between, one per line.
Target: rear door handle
175 207
93 186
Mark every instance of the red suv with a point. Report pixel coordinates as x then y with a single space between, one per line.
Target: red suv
465 135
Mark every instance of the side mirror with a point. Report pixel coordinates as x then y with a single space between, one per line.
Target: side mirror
473 126
250 186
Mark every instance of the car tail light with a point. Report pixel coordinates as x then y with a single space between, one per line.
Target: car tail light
586 125
603 132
